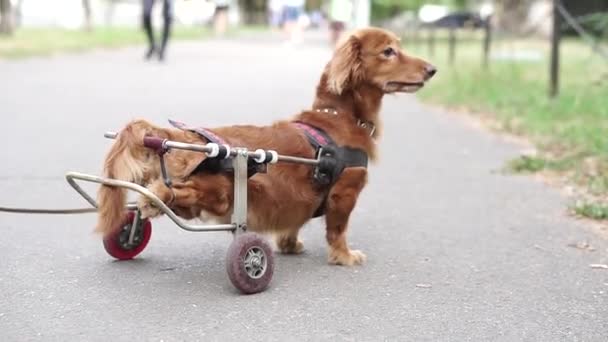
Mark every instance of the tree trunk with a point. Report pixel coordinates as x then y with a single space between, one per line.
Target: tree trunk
18 14
511 14
109 13
6 17
88 20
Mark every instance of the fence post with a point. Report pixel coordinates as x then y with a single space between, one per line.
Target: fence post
555 40
431 40
415 38
487 40
452 44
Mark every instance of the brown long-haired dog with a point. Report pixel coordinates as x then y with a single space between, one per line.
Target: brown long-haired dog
369 64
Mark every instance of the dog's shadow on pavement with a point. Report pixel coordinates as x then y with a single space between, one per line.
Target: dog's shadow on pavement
176 272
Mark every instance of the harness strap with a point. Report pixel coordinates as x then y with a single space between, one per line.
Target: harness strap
216 165
316 136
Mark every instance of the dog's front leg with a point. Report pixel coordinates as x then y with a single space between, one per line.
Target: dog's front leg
340 203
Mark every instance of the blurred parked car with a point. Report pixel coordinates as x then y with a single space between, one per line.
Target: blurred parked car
459 20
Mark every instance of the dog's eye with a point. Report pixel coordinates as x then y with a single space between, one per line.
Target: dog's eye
388 52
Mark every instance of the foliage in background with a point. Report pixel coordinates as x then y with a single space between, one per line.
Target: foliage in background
35 42
595 23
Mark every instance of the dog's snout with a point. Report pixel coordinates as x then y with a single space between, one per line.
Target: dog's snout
430 71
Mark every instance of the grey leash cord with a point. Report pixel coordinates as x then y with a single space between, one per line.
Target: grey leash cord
48 211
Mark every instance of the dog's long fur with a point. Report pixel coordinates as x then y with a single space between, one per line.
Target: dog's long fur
281 201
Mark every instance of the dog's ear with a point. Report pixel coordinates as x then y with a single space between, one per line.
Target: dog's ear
345 68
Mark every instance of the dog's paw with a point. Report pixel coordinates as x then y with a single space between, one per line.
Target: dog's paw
288 245
348 258
147 208
294 248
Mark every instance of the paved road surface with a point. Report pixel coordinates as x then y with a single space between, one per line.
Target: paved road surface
492 247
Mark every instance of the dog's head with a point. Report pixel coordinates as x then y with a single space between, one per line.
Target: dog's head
374 57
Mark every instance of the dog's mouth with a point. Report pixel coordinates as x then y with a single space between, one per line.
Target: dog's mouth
403 87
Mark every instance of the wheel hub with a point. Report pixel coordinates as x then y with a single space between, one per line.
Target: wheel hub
123 238
255 262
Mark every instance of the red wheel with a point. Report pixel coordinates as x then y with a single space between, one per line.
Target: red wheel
250 263
118 246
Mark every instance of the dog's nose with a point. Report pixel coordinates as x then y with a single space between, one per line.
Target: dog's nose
430 71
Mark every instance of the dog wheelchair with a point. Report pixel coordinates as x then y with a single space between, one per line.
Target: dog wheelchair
249 260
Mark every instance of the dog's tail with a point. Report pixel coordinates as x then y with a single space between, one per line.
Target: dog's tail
127 160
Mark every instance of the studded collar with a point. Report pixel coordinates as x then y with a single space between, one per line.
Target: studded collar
367 125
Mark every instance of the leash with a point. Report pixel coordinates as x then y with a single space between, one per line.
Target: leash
48 211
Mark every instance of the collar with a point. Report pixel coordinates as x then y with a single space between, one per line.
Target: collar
367 125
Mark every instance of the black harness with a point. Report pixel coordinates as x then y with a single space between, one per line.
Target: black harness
333 159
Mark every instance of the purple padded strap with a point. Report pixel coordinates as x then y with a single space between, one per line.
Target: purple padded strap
207 134
313 133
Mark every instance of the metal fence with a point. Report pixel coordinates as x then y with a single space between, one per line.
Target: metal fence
562 20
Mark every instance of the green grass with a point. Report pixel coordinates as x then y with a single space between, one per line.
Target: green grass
596 211
42 42
531 164
526 164
570 131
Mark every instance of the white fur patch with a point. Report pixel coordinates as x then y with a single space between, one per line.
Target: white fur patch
207 217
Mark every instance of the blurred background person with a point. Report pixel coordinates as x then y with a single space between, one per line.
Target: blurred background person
340 14
153 48
220 17
275 13
291 19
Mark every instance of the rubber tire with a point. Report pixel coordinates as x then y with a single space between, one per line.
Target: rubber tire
235 263
113 247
